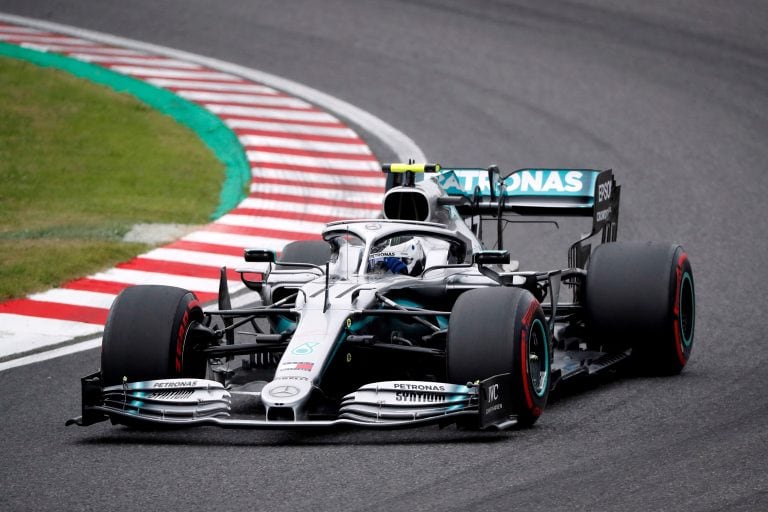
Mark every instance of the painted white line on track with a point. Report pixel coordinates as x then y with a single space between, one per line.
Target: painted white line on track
244 99
258 157
304 129
341 212
352 148
45 39
317 177
70 49
76 297
212 86
51 354
8 29
373 199
271 113
194 257
251 221
129 276
240 241
139 61
173 73
31 333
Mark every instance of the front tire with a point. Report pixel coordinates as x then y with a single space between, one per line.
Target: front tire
502 330
642 295
145 337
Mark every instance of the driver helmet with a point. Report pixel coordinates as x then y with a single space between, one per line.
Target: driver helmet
398 255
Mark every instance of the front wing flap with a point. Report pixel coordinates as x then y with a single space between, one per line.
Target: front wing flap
382 405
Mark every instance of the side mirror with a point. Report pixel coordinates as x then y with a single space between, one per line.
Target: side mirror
259 256
491 257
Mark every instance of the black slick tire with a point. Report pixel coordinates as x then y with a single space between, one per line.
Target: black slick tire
502 330
642 295
145 337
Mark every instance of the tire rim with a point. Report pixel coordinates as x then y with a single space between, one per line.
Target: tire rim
687 310
538 358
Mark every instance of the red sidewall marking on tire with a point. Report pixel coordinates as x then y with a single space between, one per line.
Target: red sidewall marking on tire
181 336
532 407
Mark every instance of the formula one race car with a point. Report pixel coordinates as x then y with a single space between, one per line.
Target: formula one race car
404 320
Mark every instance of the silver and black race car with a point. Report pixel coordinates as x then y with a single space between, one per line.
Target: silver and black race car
404 320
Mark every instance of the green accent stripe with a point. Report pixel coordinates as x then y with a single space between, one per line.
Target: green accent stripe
213 132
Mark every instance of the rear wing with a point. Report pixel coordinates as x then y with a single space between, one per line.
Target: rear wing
536 192
540 192
530 191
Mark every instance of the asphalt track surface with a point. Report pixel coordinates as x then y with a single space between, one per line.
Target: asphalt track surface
674 97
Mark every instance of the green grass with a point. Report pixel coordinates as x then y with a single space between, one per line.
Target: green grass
79 165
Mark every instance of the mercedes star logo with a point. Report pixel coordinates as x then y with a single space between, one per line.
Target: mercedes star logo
284 391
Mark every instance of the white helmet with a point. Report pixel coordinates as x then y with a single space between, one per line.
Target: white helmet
398 255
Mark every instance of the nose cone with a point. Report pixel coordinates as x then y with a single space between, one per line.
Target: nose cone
286 392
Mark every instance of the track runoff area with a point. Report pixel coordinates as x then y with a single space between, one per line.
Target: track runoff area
307 167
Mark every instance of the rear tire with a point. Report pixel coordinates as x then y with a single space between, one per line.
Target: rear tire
502 330
145 337
642 295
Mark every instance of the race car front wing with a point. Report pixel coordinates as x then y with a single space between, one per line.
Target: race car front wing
383 405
